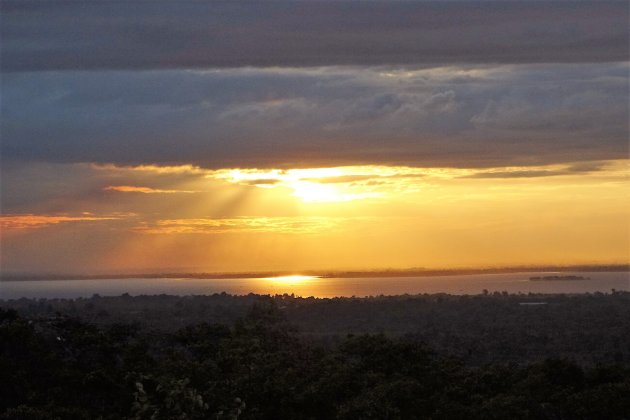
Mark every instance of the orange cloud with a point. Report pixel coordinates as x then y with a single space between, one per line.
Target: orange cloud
158 169
144 190
33 221
301 225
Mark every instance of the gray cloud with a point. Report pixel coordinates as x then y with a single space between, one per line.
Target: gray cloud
578 168
517 174
71 35
471 116
587 167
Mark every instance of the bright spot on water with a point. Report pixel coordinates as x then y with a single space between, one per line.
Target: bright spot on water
290 279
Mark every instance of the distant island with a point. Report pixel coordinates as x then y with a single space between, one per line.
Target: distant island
554 278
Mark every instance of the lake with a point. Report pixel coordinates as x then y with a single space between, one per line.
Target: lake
318 287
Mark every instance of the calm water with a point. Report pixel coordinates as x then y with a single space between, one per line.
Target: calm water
319 287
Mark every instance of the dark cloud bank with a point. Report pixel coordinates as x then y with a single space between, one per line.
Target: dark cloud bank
529 82
50 35
465 117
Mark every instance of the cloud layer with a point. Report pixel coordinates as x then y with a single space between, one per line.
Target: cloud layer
471 116
172 35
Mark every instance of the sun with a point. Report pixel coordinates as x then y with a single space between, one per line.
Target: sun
315 185
312 192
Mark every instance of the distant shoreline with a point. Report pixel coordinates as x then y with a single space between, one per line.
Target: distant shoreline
414 272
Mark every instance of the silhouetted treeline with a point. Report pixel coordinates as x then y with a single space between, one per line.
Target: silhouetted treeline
56 365
478 329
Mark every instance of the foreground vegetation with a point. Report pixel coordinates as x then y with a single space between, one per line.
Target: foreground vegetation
497 327
226 357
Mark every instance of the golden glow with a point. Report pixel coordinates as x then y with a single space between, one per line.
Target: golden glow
277 225
314 192
323 185
342 218
297 278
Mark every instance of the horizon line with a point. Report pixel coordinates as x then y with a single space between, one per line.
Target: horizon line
325 273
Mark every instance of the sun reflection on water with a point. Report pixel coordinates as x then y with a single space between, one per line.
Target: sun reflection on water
297 278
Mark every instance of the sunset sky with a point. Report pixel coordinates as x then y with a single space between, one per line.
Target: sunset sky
233 136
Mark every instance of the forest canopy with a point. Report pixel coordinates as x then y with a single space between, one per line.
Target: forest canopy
264 357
